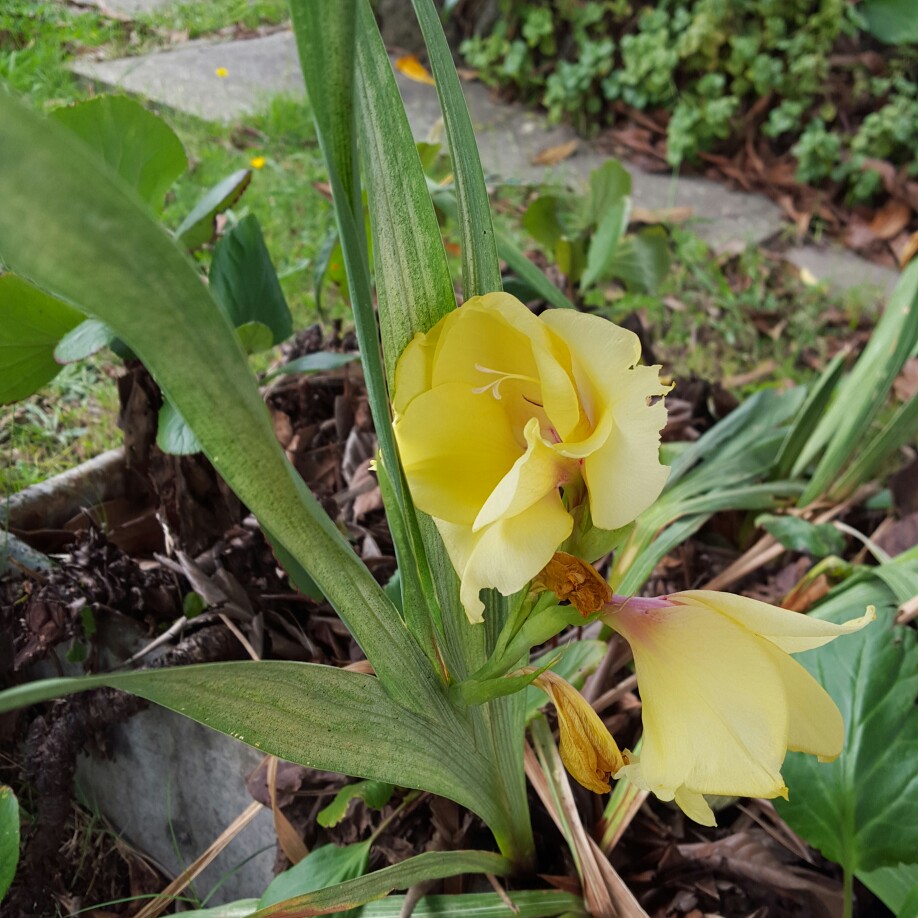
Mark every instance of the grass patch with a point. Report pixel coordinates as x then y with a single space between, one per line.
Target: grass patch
199 19
71 420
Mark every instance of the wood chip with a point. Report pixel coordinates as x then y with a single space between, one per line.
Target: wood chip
551 156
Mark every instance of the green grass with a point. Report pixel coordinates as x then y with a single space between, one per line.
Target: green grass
199 19
71 420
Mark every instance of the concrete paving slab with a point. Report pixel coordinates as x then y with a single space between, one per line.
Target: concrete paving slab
843 270
186 79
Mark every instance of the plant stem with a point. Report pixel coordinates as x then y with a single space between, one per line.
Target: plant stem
848 893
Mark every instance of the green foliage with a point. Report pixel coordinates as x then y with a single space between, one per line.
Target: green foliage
845 808
375 794
31 324
136 144
708 62
797 534
586 235
324 866
9 838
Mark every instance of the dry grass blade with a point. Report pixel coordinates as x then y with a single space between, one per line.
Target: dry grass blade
605 892
167 896
291 844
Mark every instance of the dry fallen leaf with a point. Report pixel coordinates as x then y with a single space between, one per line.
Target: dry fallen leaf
408 65
551 156
661 214
909 250
890 219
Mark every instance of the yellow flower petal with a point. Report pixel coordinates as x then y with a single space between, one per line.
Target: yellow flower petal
536 473
451 464
791 631
722 699
587 749
714 707
624 475
257 162
507 554
413 373
221 72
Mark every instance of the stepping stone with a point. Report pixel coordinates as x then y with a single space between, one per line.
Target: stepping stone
185 79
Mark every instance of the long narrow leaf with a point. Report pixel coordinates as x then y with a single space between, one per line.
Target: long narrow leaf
318 716
434 865
480 264
864 391
326 41
413 285
75 229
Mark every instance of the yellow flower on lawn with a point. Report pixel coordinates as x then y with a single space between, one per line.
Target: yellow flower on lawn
257 162
723 701
497 411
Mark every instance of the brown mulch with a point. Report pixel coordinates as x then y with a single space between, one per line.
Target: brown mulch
206 542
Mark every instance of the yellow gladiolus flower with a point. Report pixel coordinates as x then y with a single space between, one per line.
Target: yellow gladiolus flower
497 411
587 749
723 701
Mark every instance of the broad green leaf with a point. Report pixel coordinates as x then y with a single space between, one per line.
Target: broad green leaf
173 435
375 794
148 291
322 867
317 716
480 264
200 226
796 534
243 281
864 390
434 865
254 337
318 362
543 220
859 810
31 324
895 886
89 337
9 838
641 260
892 21
132 141
609 183
604 243
413 285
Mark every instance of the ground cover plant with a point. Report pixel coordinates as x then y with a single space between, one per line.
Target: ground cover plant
515 450
820 93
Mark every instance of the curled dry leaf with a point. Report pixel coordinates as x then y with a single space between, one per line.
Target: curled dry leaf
890 219
909 250
569 578
551 156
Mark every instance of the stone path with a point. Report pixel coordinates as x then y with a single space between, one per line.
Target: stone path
186 79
